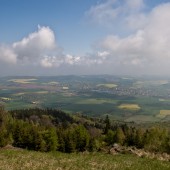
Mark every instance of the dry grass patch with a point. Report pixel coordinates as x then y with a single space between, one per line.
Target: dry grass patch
129 106
163 113
53 83
22 81
19 94
65 88
95 101
41 92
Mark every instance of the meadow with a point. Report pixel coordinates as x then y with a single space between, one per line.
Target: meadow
12 159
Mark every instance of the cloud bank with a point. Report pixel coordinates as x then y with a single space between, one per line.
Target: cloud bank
146 47
40 48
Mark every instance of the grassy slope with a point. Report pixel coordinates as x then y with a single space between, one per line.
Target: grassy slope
24 160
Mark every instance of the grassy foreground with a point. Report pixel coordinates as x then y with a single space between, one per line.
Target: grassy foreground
30 160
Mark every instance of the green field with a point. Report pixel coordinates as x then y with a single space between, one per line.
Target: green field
107 85
26 160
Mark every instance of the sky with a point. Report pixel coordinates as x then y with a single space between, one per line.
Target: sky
84 37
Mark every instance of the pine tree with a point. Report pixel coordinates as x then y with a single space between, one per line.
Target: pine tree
139 138
4 135
110 137
61 140
69 141
51 139
81 137
107 124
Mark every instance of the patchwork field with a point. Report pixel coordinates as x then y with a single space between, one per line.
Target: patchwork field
123 98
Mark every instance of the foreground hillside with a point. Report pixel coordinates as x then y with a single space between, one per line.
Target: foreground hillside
26 160
84 142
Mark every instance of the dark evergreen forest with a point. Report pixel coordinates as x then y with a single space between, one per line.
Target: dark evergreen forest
53 130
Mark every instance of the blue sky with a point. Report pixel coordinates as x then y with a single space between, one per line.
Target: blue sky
66 18
51 37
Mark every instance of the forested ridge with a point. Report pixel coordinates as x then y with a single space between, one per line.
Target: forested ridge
54 130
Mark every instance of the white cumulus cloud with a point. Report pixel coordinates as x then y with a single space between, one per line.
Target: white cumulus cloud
36 44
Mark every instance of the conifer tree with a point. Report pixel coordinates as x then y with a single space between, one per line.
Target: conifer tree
4 134
107 124
70 142
110 137
82 138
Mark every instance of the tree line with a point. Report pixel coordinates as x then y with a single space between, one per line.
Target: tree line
53 130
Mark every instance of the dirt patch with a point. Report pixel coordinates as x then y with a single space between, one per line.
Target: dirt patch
10 147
